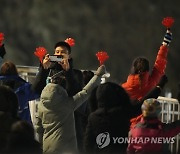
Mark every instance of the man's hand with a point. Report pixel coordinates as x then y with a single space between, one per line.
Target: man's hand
65 64
46 62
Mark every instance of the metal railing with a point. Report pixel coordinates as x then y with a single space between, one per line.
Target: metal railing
169 113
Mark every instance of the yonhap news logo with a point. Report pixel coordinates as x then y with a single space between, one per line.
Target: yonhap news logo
103 140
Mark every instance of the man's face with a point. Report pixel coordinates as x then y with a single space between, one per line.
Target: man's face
62 51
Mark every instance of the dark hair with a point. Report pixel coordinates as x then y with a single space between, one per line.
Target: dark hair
87 75
8 68
111 95
21 139
61 80
140 65
8 101
24 128
64 44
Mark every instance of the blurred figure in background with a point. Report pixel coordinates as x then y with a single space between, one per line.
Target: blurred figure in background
9 76
81 114
111 118
8 114
22 139
148 127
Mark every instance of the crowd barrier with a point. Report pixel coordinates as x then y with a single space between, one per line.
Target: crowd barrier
169 113
170 107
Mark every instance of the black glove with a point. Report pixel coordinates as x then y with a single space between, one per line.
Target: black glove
162 81
167 38
2 51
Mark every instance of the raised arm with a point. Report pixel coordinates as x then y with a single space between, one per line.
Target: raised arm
161 59
83 95
40 80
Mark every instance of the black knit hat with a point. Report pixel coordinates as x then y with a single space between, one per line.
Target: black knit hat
64 44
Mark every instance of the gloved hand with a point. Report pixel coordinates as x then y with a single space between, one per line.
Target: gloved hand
167 38
2 51
162 81
101 70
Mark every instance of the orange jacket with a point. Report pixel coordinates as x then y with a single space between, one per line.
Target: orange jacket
137 90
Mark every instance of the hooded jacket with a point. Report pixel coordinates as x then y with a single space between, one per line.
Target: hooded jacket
136 89
151 136
55 124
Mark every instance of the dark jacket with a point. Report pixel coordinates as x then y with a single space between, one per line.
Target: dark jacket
6 121
72 85
114 122
134 106
109 121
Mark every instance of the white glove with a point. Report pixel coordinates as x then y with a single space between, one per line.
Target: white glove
101 70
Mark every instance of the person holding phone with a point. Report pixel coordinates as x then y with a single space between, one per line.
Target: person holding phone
49 70
63 73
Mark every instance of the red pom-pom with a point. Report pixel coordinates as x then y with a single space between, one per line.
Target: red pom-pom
1 38
70 41
102 56
40 53
168 22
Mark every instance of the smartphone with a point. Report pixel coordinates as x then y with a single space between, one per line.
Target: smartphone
55 58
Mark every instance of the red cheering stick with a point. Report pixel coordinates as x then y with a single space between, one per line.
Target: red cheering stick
1 38
70 41
168 22
40 53
102 56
